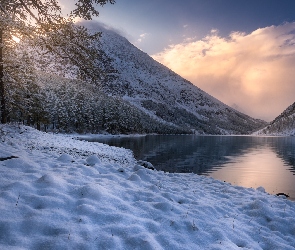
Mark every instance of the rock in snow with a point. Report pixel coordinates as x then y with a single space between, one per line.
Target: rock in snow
65 158
48 201
92 160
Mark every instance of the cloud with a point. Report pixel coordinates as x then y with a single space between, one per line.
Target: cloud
95 25
255 71
141 37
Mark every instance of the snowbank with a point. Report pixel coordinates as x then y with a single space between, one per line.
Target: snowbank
60 193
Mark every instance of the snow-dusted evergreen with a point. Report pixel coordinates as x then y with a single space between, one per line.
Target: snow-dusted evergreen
68 105
284 124
167 97
43 25
135 94
54 100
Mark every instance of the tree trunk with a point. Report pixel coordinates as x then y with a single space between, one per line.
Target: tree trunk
38 123
2 90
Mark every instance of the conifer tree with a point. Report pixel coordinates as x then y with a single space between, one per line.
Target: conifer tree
42 23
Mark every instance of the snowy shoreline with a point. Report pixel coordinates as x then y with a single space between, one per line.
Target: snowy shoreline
61 193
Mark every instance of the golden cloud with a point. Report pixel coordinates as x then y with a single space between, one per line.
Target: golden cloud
255 72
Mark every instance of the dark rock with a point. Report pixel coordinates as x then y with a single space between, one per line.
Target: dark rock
146 164
282 194
8 158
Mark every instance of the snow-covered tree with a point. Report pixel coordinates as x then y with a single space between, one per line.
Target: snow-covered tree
43 25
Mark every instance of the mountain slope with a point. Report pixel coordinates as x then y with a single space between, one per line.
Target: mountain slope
68 105
284 124
167 97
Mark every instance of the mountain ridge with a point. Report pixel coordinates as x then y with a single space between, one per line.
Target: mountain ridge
284 124
136 94
166 96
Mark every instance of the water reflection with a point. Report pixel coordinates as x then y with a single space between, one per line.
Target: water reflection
242 160
257 168
284 147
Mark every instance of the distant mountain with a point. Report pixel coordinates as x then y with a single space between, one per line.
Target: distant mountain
284 124
139 96
165 96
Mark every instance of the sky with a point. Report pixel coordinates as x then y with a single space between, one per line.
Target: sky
241 52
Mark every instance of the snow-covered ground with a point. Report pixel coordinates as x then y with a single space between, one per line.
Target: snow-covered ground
60 193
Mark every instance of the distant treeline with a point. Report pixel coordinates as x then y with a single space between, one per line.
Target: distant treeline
54 103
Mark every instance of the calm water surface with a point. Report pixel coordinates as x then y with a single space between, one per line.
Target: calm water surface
241 160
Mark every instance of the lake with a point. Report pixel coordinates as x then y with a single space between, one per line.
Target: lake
247 161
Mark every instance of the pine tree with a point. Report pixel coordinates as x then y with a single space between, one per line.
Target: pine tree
42 23
2 90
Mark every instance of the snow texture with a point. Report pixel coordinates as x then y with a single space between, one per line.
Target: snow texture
164 95
60 193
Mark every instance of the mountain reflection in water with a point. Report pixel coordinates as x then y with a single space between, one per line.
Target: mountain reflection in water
242 160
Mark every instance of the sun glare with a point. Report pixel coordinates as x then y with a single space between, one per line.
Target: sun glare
16 39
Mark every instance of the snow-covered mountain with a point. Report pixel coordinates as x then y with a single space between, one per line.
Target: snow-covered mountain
284 124
166 96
